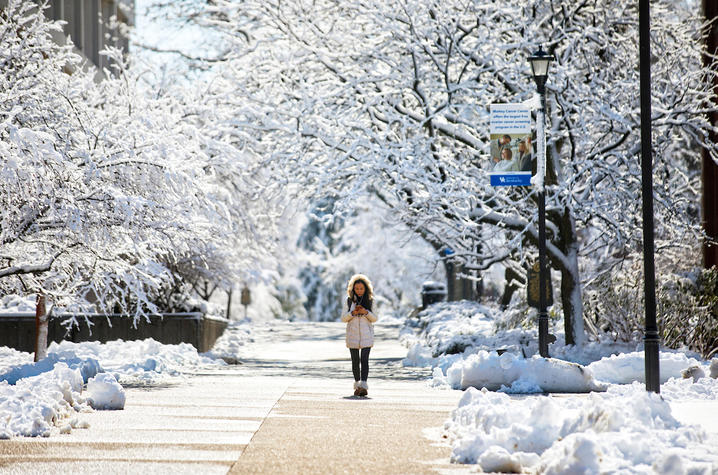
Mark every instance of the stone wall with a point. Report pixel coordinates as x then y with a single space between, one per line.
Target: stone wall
18 330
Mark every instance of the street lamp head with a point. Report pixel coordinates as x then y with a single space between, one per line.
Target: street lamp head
539 67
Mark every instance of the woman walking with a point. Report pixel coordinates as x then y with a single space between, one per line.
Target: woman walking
360 329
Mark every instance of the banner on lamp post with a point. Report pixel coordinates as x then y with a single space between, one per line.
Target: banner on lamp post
511 152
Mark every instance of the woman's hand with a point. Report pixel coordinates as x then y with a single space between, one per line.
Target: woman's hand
359 310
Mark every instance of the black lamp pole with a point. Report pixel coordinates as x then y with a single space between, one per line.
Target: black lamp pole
539 66
650 339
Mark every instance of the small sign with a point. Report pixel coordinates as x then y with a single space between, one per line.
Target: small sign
245 297
511 179
532 288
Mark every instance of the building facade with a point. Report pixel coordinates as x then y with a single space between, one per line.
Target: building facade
94 24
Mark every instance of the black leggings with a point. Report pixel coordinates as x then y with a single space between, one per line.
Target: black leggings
364 363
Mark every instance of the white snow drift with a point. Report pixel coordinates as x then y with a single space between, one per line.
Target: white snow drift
36 398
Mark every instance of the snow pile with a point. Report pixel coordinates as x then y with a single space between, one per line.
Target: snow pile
10 358
618 431
130 362
450 328
629 367
104 392
138 362
35 397
462 342
227 346
88 367
678 389
513 374
36 404
16 304
618 427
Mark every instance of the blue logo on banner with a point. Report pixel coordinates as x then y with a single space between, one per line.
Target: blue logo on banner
511 179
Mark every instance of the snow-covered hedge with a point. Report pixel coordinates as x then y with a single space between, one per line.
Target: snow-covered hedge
467 348
448 328
687 307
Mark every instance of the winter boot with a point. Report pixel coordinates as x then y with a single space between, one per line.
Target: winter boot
357 389
363 388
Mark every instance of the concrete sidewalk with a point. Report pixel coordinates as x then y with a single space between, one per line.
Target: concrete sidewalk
319 427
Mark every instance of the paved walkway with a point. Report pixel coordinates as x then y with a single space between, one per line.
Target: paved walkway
287 409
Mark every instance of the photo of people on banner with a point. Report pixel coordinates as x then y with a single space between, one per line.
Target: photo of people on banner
512 153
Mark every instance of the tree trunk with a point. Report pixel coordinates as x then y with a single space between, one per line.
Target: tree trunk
40 328
571 297
450 280
572 304
228 314
511 277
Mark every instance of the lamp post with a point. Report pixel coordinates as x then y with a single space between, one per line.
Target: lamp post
540 61
651 338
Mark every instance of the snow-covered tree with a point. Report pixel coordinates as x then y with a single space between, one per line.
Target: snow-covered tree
106 190
318 242
393 96
368 241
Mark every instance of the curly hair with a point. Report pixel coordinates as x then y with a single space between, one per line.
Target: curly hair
367 299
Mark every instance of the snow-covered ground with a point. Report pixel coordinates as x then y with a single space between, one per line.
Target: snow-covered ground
613 425
626 430
37 399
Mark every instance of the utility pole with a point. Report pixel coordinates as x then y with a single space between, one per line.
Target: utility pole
710 169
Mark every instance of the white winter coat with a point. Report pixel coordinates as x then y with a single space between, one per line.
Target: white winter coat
360 330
